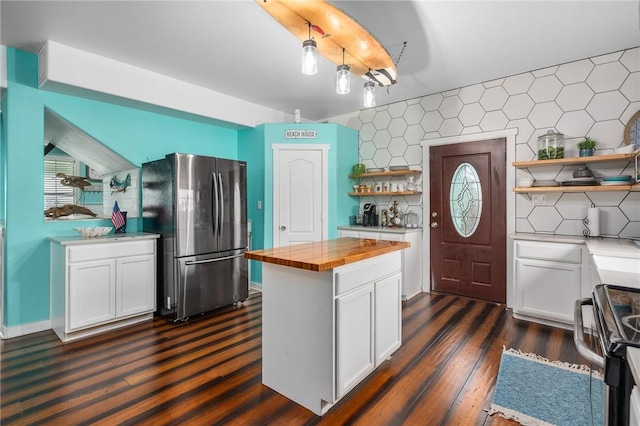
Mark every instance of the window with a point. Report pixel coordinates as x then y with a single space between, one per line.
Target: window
465 199
56 194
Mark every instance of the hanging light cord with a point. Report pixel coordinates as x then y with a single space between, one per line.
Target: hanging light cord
404 46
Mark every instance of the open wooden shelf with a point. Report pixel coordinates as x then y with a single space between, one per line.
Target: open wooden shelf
560 188
386 174
376 194
576 160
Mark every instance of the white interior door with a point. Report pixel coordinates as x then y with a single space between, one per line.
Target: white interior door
299 193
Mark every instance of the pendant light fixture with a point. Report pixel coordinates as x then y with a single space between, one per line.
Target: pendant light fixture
369 93
343 77
309 55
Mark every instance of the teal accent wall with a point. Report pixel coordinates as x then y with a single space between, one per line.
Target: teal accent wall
343 154
135 134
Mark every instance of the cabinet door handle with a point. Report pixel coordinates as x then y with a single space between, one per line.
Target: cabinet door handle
283 228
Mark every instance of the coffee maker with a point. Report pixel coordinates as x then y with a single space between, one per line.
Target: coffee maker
370 218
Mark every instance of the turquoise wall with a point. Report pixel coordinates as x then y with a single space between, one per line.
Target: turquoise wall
343 154
136 135
139 136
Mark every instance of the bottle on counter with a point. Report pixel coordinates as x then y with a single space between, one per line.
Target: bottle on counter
383 217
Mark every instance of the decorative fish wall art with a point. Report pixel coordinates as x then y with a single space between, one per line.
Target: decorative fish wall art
118 185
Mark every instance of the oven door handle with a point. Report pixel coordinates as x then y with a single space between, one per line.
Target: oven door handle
578 334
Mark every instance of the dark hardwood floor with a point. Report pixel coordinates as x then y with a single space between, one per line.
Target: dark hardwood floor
208 371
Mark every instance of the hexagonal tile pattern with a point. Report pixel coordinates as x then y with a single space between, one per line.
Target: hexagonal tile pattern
398 109
450 107
609 134
414 134
612 221
413 114
545 89
631 87
431 102
381 120
517 84
574 97
450 127
544 218
471 114
367 131
494 120
629 206
382 139
573 205
518 106
397 126
494 98
545 115
574 72
607 77
397 147
471 94
431 121
594 96
607 105
631 59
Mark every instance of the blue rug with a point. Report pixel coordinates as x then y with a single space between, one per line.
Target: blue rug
535 391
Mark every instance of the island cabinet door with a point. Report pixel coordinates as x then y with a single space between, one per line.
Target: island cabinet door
388 317
354 347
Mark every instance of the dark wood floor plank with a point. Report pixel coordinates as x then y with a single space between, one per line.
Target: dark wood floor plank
208 371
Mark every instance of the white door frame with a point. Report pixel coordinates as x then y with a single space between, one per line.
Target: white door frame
510 136
324 149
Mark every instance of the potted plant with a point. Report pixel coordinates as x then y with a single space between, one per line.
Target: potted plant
587 146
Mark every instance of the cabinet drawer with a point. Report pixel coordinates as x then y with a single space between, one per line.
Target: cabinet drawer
557 252
370 270
110 250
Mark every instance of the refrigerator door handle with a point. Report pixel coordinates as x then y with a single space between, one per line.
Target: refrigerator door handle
197 262
222 207
214 200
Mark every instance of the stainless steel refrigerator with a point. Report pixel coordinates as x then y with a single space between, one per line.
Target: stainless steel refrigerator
199 206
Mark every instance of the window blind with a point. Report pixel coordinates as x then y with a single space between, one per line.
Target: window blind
56 194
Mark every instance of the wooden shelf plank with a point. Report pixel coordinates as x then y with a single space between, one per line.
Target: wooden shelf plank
387 174
375 194
576 160
599 188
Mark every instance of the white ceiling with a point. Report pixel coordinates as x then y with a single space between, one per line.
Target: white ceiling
236 48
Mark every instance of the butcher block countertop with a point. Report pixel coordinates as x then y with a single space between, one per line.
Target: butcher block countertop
327 254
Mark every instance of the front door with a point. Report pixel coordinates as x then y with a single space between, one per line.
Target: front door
468 219
299 194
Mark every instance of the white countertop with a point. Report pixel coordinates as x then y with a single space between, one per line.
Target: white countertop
548 238
68 240
613 247
400 230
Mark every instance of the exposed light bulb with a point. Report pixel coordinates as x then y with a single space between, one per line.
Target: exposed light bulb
369 94
309 57
343 79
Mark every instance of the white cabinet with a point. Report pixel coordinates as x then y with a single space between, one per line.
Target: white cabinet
355 338
411 257
348 321
548 280
101 285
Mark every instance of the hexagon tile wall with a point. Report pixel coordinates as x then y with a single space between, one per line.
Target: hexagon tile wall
595 97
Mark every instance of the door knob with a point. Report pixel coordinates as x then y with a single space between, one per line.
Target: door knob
434 224
283 228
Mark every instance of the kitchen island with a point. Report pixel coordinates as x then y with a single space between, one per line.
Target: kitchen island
331 314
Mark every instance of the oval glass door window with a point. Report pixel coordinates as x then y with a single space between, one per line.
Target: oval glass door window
465 199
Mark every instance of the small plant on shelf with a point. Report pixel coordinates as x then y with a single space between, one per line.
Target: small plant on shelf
587 146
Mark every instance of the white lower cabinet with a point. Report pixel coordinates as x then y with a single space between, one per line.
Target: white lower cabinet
548 280
101 286
324 332
411 257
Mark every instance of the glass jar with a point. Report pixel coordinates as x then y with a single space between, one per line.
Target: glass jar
411 219
551 145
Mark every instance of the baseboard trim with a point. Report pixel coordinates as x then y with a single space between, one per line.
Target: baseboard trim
24 329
